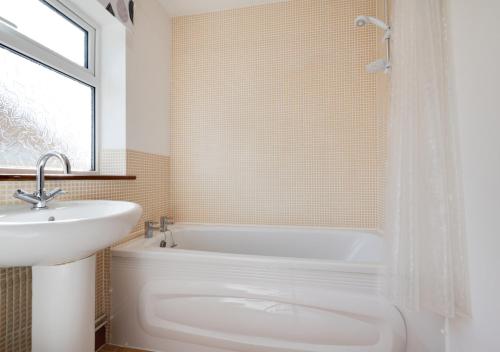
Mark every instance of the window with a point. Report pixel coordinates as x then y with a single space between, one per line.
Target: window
47 84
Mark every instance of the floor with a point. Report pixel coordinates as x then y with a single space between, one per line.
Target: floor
111 348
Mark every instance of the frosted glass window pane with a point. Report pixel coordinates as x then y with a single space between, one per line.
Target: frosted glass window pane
42 110
45 25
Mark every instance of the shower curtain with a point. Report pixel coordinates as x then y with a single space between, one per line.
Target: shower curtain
424 219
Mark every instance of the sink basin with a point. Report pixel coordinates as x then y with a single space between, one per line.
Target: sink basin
64 233
59 243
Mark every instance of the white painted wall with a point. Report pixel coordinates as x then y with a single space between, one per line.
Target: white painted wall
476 49
148 79
112 98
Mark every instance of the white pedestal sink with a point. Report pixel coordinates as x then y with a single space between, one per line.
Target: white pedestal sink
60 243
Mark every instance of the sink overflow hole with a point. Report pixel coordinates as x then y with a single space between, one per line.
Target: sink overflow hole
52 218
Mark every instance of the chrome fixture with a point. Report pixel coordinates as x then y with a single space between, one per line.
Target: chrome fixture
40 198
151 226
380 64
163 243
362 21
164 222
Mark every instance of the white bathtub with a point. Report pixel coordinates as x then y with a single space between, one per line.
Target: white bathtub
255 289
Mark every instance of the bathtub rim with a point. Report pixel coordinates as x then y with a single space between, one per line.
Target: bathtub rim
372 231
140 248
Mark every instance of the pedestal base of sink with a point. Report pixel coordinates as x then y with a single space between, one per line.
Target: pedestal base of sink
63 307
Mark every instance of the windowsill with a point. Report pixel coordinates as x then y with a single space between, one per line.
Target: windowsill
27 177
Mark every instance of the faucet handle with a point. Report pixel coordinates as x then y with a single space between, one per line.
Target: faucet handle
26 197
54 193
164 222
22 191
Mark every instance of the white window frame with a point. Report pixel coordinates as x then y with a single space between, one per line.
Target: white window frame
18 42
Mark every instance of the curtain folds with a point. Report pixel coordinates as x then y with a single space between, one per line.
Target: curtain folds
424 220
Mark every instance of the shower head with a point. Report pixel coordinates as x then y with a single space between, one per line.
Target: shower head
362 21
379 65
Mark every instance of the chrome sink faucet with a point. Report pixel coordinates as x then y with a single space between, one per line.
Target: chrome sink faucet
40 198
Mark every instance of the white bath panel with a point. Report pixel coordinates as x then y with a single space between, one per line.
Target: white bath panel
271 323
262 319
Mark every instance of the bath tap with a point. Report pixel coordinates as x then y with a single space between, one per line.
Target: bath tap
149 228
40 198
164 222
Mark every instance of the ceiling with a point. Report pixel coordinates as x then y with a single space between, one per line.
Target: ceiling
191 7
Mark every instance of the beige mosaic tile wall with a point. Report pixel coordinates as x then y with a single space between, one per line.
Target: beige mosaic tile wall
150 190
274 119
15 310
